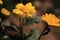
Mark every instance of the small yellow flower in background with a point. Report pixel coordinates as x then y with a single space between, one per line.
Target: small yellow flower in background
24 10
51 19
1 2
5 12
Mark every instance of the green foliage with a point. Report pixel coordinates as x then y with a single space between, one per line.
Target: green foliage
4 37
32 20
13 27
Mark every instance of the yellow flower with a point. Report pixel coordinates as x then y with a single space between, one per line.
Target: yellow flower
5 12
1 2
51 19
25 10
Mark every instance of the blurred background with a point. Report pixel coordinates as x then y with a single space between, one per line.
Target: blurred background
42 6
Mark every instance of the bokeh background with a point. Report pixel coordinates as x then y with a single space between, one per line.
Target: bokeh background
42 6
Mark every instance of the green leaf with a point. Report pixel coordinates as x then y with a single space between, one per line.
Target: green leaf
29 21
32 20
4 37
14 28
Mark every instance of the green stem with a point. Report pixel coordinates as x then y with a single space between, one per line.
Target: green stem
42 32
21 28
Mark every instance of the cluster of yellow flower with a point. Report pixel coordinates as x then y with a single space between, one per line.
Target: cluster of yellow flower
1 2
51 19
21 10
28 11
24 10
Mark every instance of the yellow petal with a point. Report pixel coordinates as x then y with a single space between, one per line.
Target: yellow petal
19 6
29 8
57 25
17 12
28 4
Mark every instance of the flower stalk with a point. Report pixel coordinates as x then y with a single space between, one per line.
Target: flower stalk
42 32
